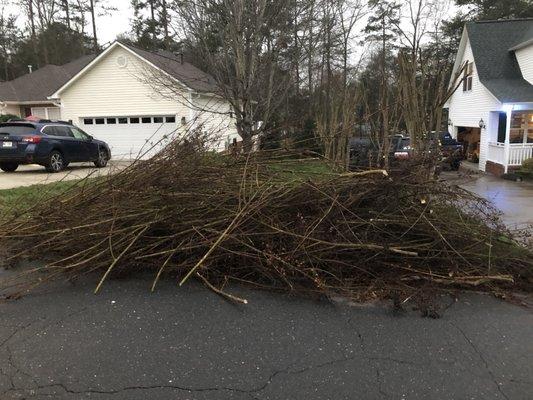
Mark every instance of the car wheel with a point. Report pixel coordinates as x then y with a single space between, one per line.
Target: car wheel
102 160
56 162
9 167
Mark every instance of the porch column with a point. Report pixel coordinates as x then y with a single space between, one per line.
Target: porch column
506 148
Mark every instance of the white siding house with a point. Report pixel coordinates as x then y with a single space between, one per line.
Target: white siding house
524 56
491 112
113 100
122 96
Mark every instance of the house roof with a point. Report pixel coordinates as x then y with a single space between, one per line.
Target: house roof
166 62
186 73
492 44
40 84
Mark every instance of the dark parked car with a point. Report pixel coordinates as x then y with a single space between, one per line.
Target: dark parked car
52 144
362 150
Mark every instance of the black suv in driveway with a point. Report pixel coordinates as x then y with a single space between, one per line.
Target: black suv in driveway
52 144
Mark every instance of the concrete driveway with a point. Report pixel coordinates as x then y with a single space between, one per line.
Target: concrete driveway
27 175
513 199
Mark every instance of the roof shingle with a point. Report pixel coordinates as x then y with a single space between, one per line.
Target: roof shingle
184 72
496 63
40 84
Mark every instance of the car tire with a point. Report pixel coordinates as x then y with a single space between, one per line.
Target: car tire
102 160
9 166
56 162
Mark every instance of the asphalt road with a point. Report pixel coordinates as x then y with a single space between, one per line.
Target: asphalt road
188 343
27 175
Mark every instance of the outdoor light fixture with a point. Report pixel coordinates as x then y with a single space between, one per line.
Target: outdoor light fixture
482 124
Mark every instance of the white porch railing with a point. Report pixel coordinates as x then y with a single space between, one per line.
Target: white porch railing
518 152
496 153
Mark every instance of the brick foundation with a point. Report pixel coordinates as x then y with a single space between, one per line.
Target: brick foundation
494 168
498 169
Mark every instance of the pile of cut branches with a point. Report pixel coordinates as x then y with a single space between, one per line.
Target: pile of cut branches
188 213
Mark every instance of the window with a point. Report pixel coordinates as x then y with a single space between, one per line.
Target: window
87 121
170 119
18 129
79 134
52 113
158 120
134 120
99 121
122 120
468 77
111 120
146 120
55 130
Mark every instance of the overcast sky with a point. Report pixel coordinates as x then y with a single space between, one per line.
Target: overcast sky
108 27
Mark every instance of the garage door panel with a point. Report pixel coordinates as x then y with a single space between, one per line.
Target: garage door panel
131 140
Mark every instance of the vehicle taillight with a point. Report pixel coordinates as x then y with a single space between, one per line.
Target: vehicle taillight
32 139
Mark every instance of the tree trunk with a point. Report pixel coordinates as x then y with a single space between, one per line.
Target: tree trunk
152 16
164 13
43 43
93 17
33 34
67 13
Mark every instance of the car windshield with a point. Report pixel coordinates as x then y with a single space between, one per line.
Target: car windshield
18 129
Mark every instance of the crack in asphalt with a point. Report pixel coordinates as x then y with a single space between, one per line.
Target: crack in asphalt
380 383
16 332
483 360
250 392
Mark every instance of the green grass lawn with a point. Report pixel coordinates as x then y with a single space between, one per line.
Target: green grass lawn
301 168
16 200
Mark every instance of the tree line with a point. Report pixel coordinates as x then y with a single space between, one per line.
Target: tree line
315 72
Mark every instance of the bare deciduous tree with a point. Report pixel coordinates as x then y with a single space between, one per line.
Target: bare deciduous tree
240 42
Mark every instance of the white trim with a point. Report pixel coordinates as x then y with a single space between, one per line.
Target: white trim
459 55
521 45
28 102
102 55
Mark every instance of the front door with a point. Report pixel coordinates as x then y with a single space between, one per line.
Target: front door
502 126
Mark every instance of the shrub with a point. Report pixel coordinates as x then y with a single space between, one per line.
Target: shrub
527 165
7 117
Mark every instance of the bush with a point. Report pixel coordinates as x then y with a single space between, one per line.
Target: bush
527 165
7 117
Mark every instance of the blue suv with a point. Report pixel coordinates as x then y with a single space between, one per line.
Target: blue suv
52 144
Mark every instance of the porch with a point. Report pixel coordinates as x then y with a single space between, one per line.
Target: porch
510 138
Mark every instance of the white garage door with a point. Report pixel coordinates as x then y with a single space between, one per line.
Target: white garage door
134 136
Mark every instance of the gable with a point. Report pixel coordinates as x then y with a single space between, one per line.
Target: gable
524 56
167 66
117 84
496 63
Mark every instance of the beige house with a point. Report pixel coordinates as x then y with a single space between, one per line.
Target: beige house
137 101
